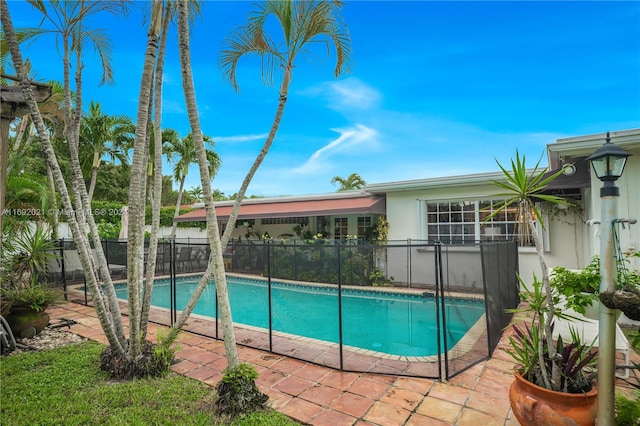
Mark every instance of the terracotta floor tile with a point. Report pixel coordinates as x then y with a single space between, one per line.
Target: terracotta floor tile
352 404
332 418
470 417
268 377
488 404
339 379
202 373
320 394
288 365
387 414
183 366
220 363
266 360
213 380
402 398
381 378
198 355
312 372
368 388
449 393
420 420
293 385
493 382
439 409
276 398
300 410
421 386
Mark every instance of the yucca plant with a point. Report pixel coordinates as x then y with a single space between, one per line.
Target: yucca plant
574 361
523 188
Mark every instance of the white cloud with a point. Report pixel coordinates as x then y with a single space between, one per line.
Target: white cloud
348 94
240 138
348 138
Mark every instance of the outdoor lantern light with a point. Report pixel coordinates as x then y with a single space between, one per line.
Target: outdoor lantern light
608 163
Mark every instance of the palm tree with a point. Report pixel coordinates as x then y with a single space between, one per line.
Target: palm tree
218 195
353 181
185 150
522 189
196 192
102 135
67 20
303 23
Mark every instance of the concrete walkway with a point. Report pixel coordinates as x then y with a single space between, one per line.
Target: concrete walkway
317 395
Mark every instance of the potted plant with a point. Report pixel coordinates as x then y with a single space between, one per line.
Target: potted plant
579 289
24 297
573 395
543 361
627 296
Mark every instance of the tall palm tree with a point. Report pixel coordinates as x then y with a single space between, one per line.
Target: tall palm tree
185 151
303 23
101 135
353 181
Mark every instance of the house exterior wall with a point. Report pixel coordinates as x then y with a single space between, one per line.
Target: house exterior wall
572 238
563 248
628 208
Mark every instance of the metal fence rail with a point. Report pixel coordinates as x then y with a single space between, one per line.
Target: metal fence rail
402 295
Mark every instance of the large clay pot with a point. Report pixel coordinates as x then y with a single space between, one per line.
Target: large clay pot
534 406
27 322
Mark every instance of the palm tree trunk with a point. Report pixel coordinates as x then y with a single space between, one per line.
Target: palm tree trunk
233 217
85 217
156 190
55 217
94 174
135 252
216 265
174 225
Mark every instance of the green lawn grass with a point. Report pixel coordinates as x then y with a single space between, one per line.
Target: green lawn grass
65 386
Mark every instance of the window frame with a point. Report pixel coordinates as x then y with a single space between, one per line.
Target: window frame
457 214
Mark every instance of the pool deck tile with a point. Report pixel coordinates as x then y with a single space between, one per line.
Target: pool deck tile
319 396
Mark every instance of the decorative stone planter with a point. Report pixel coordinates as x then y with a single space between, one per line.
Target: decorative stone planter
26 322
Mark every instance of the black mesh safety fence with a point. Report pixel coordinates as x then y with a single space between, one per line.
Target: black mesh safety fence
414 308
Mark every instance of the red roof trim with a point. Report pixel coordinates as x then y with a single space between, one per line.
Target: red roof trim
329 207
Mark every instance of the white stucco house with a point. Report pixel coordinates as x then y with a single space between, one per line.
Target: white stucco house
453 208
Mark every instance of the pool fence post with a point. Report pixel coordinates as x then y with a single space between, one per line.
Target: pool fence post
172 280
217 323
409 262
269 294
62 271
438 283
340 306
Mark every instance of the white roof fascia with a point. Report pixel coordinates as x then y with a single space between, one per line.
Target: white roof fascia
446 181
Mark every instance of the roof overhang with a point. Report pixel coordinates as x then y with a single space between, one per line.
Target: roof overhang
572 180
562 151
329 205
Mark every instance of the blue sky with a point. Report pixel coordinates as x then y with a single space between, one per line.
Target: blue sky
436 89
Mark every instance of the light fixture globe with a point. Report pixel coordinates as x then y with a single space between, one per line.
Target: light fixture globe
608 161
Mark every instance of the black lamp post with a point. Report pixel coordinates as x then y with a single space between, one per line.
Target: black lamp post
608 164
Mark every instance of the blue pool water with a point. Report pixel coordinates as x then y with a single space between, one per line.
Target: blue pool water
379 321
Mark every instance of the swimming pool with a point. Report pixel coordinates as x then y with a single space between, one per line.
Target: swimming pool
387 322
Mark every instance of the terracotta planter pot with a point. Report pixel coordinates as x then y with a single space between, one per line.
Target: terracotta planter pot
533 405
26 322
